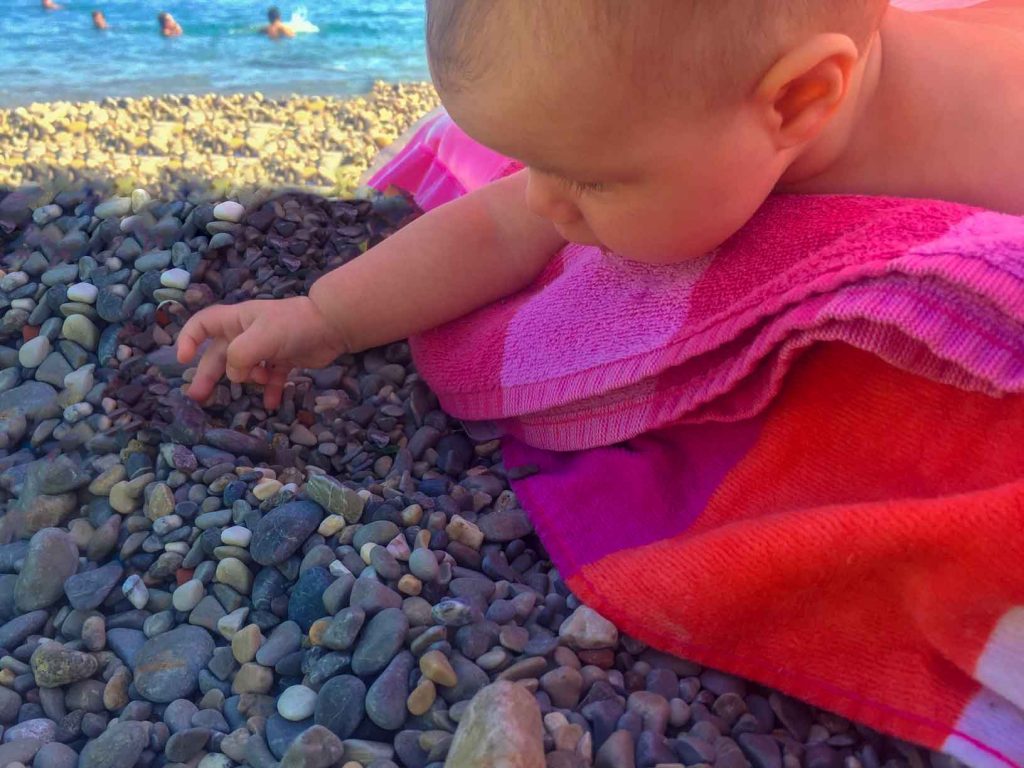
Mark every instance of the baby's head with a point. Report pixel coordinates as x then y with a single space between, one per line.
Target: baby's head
654 128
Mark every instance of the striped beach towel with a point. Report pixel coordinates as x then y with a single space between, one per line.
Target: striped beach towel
799 459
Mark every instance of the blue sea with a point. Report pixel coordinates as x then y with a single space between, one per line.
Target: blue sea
50 55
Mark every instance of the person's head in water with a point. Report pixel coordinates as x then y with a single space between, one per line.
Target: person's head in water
273 15
99 20
168 26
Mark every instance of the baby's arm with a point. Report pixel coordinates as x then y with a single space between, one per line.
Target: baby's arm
449 262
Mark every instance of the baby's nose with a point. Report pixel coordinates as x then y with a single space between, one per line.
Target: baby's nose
547 198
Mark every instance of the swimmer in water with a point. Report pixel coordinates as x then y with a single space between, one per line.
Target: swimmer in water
49 5
168 26
276 29
99 20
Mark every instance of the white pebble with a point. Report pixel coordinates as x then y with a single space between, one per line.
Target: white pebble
25 303
78 383
140 198
296 703
187 596
338 569
77 412
33 352
236 536
229 211
135 591
175 278
83 292
115 207
13 281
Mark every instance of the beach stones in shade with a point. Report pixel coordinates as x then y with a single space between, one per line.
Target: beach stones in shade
336 498
33 399
53 665
297 703
306 603
380 640
81 330
237 443
501 726
119 746
316 747
167 667
115 207
33 352
281 532
83 293
339 705
229 210
386 697
51 558
586 629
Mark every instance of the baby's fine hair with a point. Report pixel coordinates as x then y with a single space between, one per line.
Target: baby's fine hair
723 46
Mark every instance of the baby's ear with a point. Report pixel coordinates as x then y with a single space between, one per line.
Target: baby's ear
806 86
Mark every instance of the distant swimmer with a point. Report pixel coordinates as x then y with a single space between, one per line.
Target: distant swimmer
99 20
276 28
49 5
168 26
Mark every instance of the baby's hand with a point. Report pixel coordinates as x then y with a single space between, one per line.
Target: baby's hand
258 341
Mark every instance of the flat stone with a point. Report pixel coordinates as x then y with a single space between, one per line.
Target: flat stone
306 603
88 590
386 698
317 747
53 665
501 726
297 703
52 558
35 399
344 629
186 744
83 293
237 443
381 639
285 638
505 525
280 533
114 208
55 755
618 751
167 666
339 705
586 629
81 330
335 497
119 746
32 353
281 733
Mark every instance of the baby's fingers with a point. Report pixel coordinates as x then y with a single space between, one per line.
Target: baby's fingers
250 349
211 323
211 368
273 390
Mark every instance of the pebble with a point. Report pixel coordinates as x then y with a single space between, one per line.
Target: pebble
53 665
81 330
229 210
297 703
84 293
501 726
119 746
32 353
340 705
282 531
175 278
187 596
52 557
379 641
316 747
167 667
586 629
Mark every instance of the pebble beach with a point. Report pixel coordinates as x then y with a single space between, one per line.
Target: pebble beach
346 582
174 145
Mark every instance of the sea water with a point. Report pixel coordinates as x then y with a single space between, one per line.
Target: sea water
342 46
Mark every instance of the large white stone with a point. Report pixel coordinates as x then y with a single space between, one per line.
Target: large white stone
33 352
296 703
175 278
83 292
229 210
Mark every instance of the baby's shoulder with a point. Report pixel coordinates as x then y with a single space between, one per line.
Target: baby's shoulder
1008 14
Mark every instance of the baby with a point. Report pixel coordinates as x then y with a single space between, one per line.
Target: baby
654 129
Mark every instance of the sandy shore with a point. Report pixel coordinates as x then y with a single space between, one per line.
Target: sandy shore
218 141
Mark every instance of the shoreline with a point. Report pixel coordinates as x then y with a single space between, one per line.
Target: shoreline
173 144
